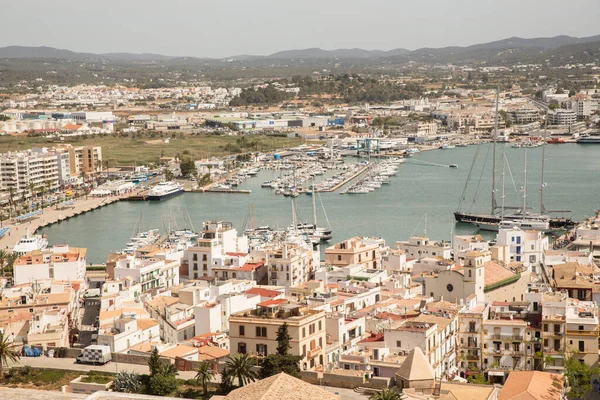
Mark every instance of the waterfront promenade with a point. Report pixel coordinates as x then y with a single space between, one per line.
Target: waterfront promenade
49 216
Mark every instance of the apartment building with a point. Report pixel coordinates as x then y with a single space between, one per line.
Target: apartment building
468 243
86 159
151 273
255 332
516 245
219 246
422 247
584 106
61 262
176 320
128 332
434 332
578 281
523 114
288 264
562 117
358 250
470 337
582 330
20 172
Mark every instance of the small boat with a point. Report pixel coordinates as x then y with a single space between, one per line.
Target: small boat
447 146
556 140
453 166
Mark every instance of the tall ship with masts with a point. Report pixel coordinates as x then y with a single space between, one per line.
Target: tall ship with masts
496 215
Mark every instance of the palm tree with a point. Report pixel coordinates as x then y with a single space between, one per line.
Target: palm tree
240 367
386 394
32 190
3 258
7 353
10 262
204 375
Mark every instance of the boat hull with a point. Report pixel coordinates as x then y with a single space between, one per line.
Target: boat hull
164 196
555 223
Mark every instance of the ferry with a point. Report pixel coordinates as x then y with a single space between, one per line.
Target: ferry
589 139
30 243
165 190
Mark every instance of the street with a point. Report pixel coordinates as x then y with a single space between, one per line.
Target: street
69 364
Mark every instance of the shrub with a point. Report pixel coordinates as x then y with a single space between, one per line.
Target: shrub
162 385
127 382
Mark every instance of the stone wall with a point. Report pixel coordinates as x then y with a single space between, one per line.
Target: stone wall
343 380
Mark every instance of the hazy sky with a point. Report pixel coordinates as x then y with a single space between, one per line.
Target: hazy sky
219 28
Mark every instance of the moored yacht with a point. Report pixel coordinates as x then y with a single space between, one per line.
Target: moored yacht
165 190
30 243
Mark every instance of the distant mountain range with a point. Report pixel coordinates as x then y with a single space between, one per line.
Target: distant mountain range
23 62
515 44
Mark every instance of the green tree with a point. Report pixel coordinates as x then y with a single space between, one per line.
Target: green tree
386 394
154 363
579 375
169 175
7 353
281 361
240 368
204 375
187 167
3 258
478 379
554 106
283 339
162 385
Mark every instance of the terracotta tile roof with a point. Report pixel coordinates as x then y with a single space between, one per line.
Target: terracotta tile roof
263 292
374 337
281 387
532 385
178 351
270 303
161 301
249 266
494 273
211 353
146 323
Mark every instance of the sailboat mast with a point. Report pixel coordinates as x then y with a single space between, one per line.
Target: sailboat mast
314 204
494 204
542 184
525 184
502 209
294 216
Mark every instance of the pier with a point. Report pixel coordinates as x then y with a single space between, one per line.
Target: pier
346 181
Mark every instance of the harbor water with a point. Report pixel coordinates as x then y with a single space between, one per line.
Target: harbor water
423 185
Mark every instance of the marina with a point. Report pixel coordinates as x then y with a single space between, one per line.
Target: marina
391 212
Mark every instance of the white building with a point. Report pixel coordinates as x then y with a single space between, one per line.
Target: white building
516 245
59 263
128 332
420 247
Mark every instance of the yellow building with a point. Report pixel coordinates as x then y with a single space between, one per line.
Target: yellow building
255 332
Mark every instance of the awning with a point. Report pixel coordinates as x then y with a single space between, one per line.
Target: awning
497 373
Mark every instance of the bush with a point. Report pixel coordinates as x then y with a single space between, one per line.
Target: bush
127 382
162 385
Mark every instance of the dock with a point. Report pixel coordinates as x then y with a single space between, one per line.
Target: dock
135 197
233 191
346 181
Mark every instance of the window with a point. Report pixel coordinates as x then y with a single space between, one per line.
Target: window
261 331
321 342
320 326
195 257
449 287
304 350
339 258
346 366
261 348
506 346
398 343
581 345
469 273
303 332
242 330
580 327
535 306
204 257
242 348
545 327
356 367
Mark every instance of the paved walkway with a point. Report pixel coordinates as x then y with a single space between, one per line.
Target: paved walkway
49 216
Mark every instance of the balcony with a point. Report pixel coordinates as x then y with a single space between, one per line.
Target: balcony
313 353
582 333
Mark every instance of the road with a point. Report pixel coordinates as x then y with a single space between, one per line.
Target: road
69 364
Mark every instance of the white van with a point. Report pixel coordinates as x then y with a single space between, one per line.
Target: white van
94 354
